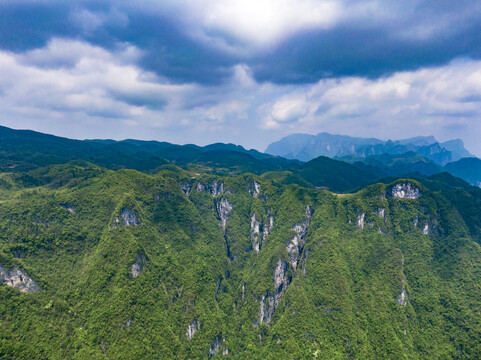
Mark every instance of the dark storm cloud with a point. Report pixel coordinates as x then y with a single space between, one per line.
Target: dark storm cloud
308 57
25 25
421 34
168 50
149 100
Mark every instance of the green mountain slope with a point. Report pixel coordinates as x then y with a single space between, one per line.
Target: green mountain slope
397 165
336 175
187 264
22 151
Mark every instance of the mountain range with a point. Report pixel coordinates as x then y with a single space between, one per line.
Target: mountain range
422 155
306 147
146 250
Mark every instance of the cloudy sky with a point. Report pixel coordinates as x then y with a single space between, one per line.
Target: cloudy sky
242 71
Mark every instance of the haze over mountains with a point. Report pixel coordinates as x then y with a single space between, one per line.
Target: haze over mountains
306 147
421 154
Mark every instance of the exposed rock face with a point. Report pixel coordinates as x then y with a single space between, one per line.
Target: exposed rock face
296 245
70 208
267 228
281 282
254 189
266 309
416 221
405 191
224 207
269 302
200 187
216 189
129 217
403 298
18 279
138 265
216 345
192 328
255 230
426 229
360 221
186 188
381 212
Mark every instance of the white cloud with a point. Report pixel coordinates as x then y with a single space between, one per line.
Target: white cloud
74 77
289 108
443 101
264 21
74 89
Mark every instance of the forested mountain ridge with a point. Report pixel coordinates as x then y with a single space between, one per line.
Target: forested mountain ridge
101 263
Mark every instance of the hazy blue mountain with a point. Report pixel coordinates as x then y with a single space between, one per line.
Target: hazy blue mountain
468 169
306 147
457 149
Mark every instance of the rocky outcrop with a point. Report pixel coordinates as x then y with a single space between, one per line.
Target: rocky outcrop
18 279
381 212
224 207
255 232
405 190
216 188
200 187
360 221
192 329
426 229
257 229
138 265
296 245
216 345
186 188
267 228
403 297
254 188
269 302
70 208
128 216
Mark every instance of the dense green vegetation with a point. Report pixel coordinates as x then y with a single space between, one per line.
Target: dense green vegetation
80 229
